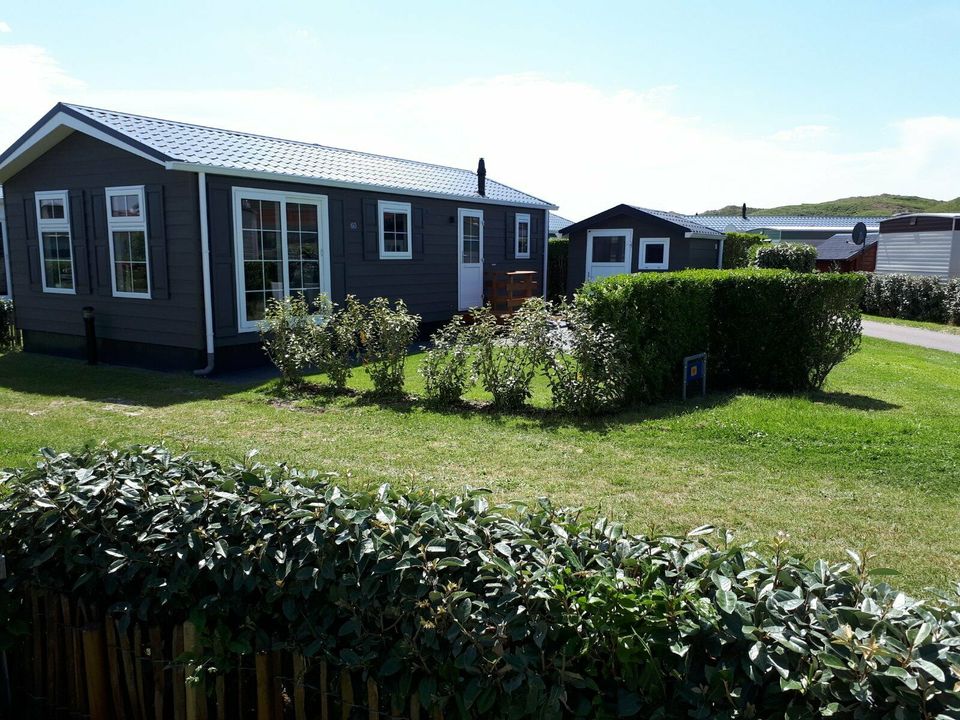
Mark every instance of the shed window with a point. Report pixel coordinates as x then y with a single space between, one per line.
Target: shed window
609 248
280 241
395 230
129 257
654 254
522 235
56 247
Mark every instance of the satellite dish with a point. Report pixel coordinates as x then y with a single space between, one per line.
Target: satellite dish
859 233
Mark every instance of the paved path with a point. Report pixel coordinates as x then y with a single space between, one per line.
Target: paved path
912 336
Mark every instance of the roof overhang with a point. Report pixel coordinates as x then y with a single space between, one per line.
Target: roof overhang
700 235
52 128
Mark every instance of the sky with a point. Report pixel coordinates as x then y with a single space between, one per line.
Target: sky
684 105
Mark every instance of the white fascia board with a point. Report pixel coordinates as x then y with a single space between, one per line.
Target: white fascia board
56 129
281 177
694 235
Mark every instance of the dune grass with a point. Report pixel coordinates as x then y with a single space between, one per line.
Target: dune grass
871 462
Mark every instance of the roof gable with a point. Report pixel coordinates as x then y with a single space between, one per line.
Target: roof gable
183 146
683 223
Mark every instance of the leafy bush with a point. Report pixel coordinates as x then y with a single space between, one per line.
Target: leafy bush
912 297
585 364
9 337
798 257
660 318
507 356
446 367
385 334
288 333
777 330
737 248
763 329
337 339
558 260
530 612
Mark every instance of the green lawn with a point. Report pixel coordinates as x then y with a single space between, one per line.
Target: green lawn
939 327
873 461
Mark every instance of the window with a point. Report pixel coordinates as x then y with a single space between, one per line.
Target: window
654 254
395 241
5 290
609 248
280 242
127 229
56 248
522 236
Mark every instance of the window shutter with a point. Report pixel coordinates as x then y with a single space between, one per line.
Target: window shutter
417 233
223 273
371 251
338 229
157 241
101 247
509 222
32 240
78 232
536 233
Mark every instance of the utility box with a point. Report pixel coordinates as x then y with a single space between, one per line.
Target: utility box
695 374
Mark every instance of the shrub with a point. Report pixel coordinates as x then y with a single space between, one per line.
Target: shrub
288 334
585 364
337 339
912 297
737 248
953 302
9 337
783 331
446 367
558 260
763 329
798 257
507 356
529 612
386 333
660 318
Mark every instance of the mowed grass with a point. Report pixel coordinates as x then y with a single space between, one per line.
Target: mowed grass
871 462
939 327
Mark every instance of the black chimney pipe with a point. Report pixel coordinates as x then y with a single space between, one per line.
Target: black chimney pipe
482 178
743 211
90 331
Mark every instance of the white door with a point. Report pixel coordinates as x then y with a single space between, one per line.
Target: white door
470 260
608 252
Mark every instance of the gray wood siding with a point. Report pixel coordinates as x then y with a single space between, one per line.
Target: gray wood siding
84 166
684 252
427 282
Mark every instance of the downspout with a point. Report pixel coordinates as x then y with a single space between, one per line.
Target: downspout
720 257
546 248
205 260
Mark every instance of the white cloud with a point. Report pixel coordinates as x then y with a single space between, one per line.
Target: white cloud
594 150
4 27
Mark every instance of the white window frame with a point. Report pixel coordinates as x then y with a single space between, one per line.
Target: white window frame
522 218
665 265
244 325
57 225
128 224
399 208
6 256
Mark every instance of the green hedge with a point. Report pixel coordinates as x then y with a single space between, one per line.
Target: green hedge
529 613
558 260
763 329
737 248
912 297
798 257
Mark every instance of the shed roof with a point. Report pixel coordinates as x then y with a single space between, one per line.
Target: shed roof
185 146
558 224
842 247
778 222
693 228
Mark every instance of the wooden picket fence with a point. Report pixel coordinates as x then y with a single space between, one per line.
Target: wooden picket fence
78 664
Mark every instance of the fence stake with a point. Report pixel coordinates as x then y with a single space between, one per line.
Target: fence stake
346 695
221 681
179 676
138 669
264 696
94 661
37 680
196 693
158 664
129 673
276 670
373 700
415 706
325 690
299 691
116 679
6 693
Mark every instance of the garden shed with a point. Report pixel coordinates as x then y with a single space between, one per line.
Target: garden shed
627 239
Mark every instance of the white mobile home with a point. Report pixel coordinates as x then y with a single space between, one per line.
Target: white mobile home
920 244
